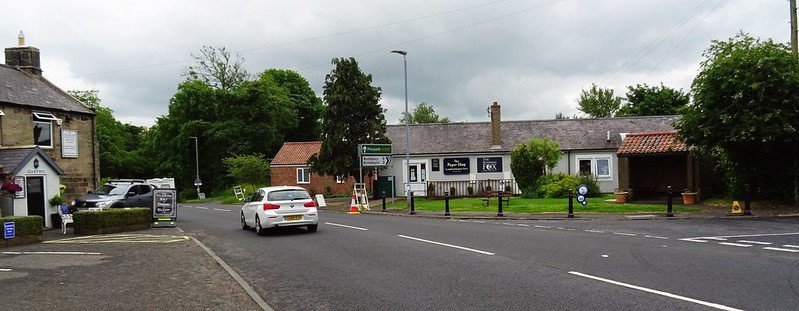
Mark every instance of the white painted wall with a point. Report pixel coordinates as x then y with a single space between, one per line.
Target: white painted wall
51 182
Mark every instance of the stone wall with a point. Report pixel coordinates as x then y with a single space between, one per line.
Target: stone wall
81 174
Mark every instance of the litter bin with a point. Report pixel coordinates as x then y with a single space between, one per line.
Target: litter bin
55 219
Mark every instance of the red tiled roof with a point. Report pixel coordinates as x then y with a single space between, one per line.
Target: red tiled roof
651 143
296 153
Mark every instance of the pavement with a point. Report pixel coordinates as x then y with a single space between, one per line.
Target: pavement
154 269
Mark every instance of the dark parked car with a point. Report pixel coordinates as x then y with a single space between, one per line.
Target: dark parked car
117 195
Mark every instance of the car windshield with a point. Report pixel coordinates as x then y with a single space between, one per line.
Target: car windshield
115 190
104 190
288 195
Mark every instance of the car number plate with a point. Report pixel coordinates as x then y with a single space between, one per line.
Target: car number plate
293 217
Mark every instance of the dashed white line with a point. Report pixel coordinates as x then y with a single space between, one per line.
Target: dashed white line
735 244
715 238
201 207
522 225
692 240
447 245
657 292
51 253
543 227
345 226
508 224
754 242
561 228
5 270
480 221
656 237
594 231
221 210
622 233
782 249
791 246
570 229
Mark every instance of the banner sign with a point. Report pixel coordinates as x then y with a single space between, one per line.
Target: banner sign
165 207
456 166
489 165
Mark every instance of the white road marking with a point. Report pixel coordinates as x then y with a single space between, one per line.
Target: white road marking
508 224
570 229
543 227
5 270
186 206
221 210
723 237
622 233
791 246
715 238
447 245
605 256
754 242
782 249
50 253
735 244
656 237
692 240
345 226
522 225
657 292
202 207
594 231
480 221
559 228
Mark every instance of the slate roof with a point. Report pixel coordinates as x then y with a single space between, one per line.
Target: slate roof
13 159
296 153
21 88
652 143
475 137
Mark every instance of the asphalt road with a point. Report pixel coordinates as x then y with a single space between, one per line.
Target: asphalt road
380 262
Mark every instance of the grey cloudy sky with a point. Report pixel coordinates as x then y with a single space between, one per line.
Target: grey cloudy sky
533 56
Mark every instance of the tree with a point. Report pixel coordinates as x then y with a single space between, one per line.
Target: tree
217 68
353 116
423 114
247 169
598 102
309 107
746 114
529 161
644 100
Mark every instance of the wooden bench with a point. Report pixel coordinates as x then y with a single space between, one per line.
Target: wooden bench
492 196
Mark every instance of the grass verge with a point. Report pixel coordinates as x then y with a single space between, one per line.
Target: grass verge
522 205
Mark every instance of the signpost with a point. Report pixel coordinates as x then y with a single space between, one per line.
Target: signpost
9 231
373 155
372 161
165 208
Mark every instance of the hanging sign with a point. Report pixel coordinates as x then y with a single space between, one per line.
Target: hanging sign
456 166
489 165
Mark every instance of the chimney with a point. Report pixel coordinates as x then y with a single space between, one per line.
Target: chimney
496 128
24 57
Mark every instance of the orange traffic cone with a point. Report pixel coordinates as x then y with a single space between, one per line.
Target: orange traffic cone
353 206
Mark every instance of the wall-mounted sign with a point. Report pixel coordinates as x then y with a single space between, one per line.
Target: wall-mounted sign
436 165
20 181
489 165
69 143
456 166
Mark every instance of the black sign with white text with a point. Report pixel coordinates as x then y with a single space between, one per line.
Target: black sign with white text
456 166
489 165
436 165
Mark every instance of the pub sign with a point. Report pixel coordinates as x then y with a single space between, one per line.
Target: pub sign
489 165
456 166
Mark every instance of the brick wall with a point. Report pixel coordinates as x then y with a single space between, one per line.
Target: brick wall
81 173
287 176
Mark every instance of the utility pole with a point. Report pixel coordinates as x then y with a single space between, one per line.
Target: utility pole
794 48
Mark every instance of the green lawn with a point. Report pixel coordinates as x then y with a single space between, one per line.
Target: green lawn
521 205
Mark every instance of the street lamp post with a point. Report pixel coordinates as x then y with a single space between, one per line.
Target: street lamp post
197 181
408 192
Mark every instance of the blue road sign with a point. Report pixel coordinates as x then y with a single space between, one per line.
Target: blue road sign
9 230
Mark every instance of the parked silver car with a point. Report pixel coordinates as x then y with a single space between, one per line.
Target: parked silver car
284 206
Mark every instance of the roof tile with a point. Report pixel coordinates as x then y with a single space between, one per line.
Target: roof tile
296 153
652 143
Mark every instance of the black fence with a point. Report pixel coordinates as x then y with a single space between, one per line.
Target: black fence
471 188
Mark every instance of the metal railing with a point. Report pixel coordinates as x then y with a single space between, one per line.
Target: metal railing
471 188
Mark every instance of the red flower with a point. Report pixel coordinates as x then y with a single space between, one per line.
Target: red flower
9 186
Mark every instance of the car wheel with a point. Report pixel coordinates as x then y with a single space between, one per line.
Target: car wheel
258 229
244 225
312 228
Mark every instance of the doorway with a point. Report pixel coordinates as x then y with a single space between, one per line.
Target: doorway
417 178
36 197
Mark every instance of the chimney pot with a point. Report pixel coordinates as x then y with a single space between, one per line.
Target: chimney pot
21 39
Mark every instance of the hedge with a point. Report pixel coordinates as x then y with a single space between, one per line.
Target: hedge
28 229
112 220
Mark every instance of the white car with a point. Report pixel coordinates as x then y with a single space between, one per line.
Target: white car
284 206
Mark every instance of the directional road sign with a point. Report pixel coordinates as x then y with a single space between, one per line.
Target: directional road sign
376 160
375 149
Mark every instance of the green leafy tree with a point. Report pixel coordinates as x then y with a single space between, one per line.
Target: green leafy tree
308 106
247 169
746 114
644 100
529 161
598 102
423 114
353 116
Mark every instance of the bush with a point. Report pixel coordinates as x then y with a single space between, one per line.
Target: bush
106 221
188 194
558 185
25 225
470 190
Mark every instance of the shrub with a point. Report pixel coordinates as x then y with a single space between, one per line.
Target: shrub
452 191
56 200
89 222
249 169
529 161
558 185
25 225
188 194
470 190
431 188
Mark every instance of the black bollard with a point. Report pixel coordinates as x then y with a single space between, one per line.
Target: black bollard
384 201
499 204
670 197
413 212
571 204
446 203
747 198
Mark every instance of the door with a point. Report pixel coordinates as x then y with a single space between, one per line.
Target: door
36 197
417 178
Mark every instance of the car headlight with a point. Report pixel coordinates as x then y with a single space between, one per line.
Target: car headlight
103 204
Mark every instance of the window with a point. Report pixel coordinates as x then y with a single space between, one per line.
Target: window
257 196
340 179
288 195
303 175
603 167
43 134
585 167
598 166
145 189
412 174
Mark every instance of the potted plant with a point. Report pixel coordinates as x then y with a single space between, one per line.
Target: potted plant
452 191
56 200
470 190
621 195
689 196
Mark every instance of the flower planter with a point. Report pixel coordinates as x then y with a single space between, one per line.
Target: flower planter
621 197
689 198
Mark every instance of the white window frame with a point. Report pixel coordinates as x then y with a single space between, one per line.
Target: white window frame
595 167
300 175
51 134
